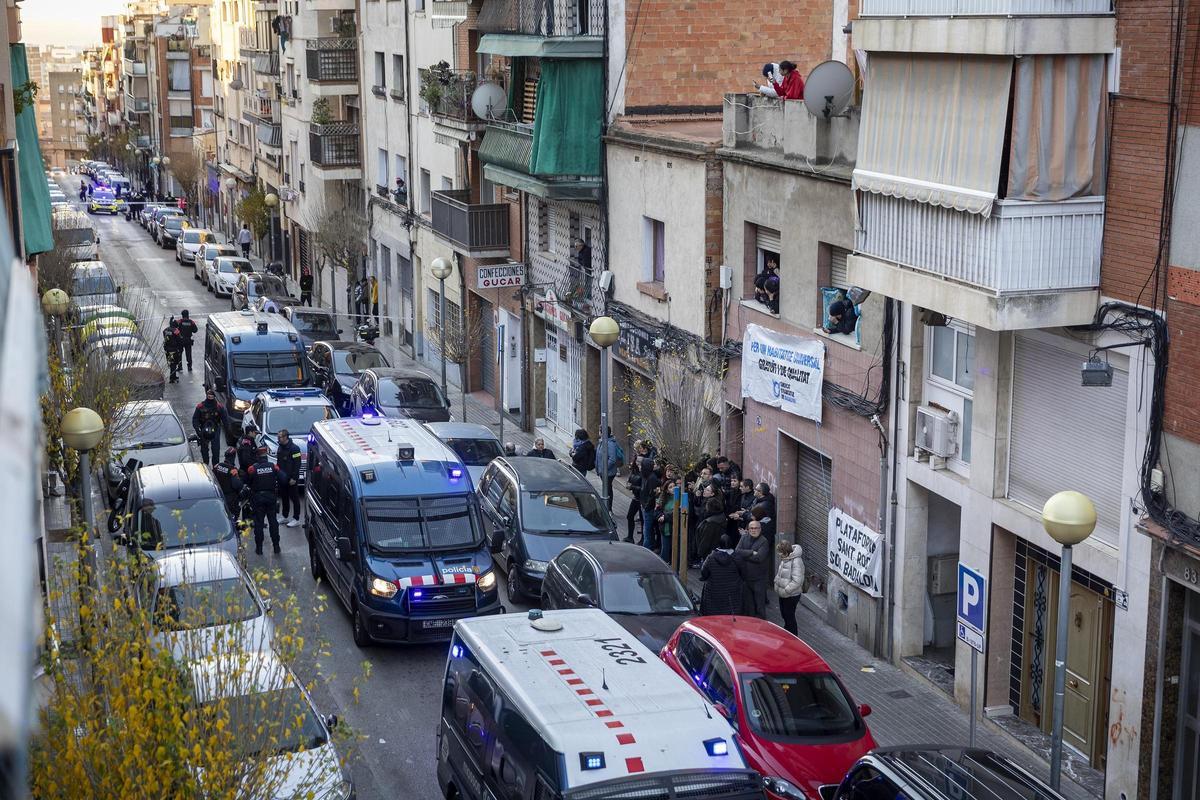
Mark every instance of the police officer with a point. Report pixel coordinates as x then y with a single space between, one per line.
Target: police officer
187 327
229 478
173 348
208 420
262 478
288 459
247 447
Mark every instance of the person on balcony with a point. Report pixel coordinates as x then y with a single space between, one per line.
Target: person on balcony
582 253
791 87
842 316
400 193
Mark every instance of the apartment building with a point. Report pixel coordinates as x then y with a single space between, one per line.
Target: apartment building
133 38
67 141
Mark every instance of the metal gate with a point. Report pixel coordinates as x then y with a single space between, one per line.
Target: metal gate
551 376
814 476
406 300
487 356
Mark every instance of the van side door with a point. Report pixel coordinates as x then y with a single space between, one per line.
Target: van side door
347 526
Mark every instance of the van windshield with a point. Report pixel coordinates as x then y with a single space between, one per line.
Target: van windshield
427 523
74 236
254 370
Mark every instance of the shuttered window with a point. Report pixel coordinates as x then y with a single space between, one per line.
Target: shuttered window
487 344
837 268
814 480
768 239
1057 422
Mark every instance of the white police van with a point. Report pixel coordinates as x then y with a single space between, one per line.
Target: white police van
566 705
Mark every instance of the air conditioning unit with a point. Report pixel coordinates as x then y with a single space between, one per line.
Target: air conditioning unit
937 431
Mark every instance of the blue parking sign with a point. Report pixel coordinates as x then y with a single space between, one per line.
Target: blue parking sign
972 595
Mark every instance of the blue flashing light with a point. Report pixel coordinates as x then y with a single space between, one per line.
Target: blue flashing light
418 593
588 761
455 473
456 651
716 747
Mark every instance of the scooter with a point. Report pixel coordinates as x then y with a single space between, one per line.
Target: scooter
367 332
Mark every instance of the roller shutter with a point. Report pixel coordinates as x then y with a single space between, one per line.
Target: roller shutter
814 476
487 356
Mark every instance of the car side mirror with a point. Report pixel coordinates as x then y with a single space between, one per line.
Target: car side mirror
864 710
331 721
344 551
193 438
724 711
828 791
585 599
340 330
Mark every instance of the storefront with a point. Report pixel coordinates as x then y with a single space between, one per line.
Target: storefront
558 336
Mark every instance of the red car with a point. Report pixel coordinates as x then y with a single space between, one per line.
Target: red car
794 721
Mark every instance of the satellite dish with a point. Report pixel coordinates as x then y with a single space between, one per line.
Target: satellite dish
828 89
489 101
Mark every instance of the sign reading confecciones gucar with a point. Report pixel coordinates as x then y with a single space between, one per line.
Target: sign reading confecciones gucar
494 277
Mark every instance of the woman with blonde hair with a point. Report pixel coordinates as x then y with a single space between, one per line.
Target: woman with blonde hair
789 583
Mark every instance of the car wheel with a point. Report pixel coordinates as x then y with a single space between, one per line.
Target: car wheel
362 638
515 592
314 563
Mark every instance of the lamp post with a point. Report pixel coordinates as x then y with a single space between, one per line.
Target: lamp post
230 185
154 162
441 269
82 429
1069 517
272 202
604 332
55 303
166 162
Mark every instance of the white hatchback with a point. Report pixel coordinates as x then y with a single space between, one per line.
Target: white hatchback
221 276
206 254
189 242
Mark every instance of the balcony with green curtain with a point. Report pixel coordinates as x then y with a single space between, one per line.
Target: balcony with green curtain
557 157
34 235
542 28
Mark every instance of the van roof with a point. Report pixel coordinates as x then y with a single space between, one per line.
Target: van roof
245 323
81 269
583 698
373 444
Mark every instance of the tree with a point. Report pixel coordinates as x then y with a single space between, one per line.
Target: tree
254 211
188 171
468 327
339 235
674 411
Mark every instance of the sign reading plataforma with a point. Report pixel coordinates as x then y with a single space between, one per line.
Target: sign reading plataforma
783 371
855 552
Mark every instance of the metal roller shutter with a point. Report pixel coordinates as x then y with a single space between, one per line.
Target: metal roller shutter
1056 422
837 268
814 476
768 239
487 356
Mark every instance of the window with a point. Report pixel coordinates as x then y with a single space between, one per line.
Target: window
717 683
180 77
424 524
654 270
586 582
398 75
206 84
425 203
762 264
692 652
380 71
867 783
400 187
951 383
447 184
418 5
381 167
839 315
798 705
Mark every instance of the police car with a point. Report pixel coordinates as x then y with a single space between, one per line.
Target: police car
567 702
293 410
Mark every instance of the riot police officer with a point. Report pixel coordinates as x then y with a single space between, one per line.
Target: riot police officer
173 348
208 420
229 478
247 447
188 329
262 479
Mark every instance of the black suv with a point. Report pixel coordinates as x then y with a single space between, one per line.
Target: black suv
536 507
335 367
393 392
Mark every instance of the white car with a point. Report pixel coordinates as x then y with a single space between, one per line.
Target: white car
293 410
475 444
189 242
149 431
206 254
202 603
222 275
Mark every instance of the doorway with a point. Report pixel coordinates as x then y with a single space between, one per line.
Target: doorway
941 586
1187 757
551 376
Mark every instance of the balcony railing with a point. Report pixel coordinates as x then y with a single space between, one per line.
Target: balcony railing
544 17
332 59
1022 247
472 228
984 8
136 68
447 93
178 48
247 38
270 134
334 145
267 63
576 288
138 105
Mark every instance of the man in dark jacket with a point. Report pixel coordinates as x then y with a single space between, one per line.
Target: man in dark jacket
187 327
634 485
229 478
306 287
711 529
247 447
208 420
540 450
722 592
764 511
173 348
647 497
262 479
288 458
753 555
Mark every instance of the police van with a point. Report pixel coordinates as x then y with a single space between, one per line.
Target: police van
245 353
567 705
394 526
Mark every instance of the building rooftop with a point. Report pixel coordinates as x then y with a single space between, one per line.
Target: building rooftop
693 132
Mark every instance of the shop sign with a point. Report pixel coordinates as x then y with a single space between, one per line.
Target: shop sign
855 552
547 307
495 277
635 346
783 371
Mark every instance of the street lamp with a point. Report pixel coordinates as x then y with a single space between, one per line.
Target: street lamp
82 429
55 303
441 269
272 202
1069 517
604 332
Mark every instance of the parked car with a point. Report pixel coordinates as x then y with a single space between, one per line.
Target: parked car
252 285
395 392
206 254
189 242
797 724
274 303
335 367
627 581
293 410
536 508
172 507
147 430
147 213
92 284
158 215
313 324
938 772
169 229
221 276
475 444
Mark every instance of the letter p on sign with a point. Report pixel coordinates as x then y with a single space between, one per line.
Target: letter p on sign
972 589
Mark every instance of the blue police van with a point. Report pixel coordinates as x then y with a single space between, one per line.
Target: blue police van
394 526
247 352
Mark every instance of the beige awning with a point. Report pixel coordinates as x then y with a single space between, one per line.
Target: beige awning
933 129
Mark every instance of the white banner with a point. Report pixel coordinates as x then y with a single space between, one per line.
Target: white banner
855 552
783 371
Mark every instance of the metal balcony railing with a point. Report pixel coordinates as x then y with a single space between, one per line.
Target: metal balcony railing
138 105
332 59
471 227
267 63
334 145
270 134
447 92
984 8
543 17
576 288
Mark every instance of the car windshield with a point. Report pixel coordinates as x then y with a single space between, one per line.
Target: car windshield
211 253
347 362
198 237
267 369
410 393
430 523
475 452
313 322
173 223
151 430
265 723
93 283
298 420
103 197
798 705
179 523
234 265
74 236
563 512
204 604
268 285
644 593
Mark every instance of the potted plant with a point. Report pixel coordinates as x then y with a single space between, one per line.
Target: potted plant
321 115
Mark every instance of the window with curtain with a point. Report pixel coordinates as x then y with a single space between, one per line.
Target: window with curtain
381 168
568 122
398 74
180 76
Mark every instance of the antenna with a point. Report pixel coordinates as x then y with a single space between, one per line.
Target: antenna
489 101
603 679
828 90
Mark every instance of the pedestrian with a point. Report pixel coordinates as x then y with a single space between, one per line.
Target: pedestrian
789 583
306 284
583 453
262 480
722 592
245 237
247 447
173 348
358 297
374 291
609 458
208 420
289 460
666 520
229 478
187 326
753 555
647 495
763 510
510 448
539 449
712 527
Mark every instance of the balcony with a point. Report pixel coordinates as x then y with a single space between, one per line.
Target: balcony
135 68
1028 265
266 63
445 13
984 8
270 134
763 129
137 105
542 28
247 38
478 230
577 288
334 148
446 93
179 48
333 60
506 152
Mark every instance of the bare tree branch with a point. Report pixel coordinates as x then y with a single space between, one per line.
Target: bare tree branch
675 410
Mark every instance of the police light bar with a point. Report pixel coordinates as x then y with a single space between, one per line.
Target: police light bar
406 452
302 392
716 747
589 761
456 473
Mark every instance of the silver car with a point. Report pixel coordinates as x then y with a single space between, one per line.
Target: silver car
148 431
221 276
475 444
206 254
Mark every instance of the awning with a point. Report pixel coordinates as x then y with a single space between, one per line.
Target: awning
237 172
538 46
35 196
933 129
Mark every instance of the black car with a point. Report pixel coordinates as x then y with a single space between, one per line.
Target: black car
395 392
336 366
169 229
251 286
313 324
630 583
537 507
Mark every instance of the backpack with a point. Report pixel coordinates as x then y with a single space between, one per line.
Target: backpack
620 456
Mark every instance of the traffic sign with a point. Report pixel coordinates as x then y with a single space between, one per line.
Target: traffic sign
972 596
